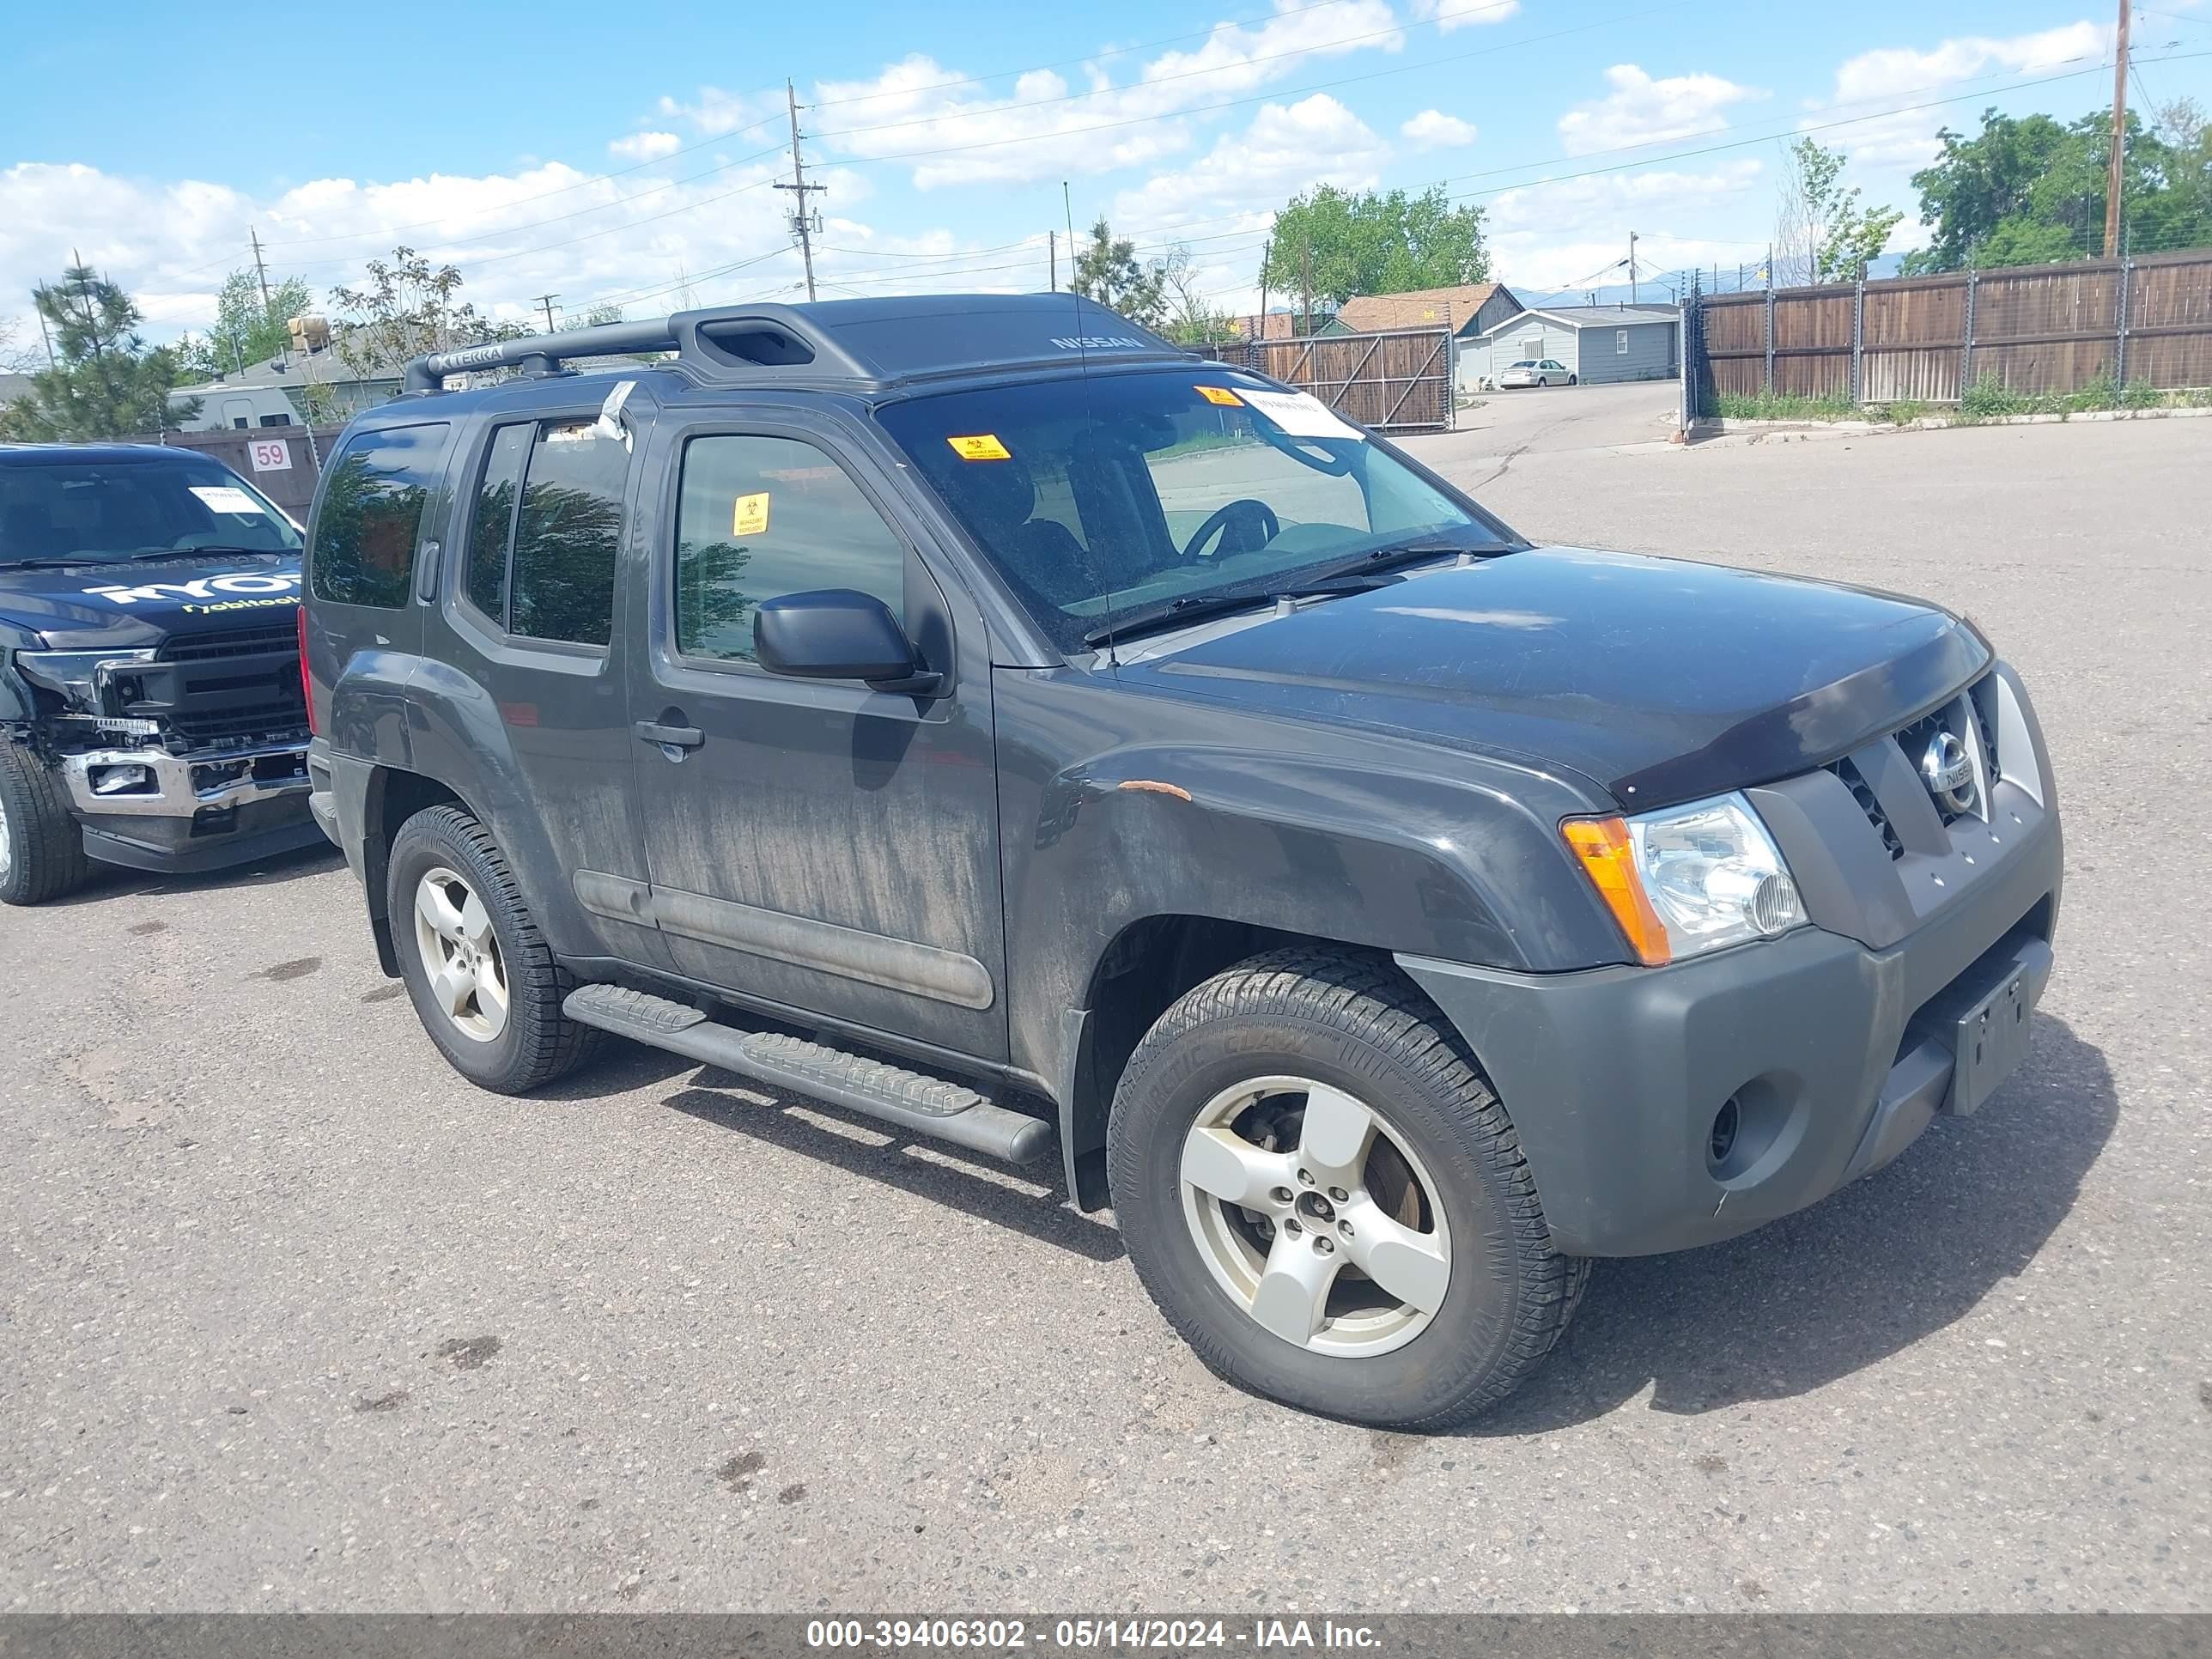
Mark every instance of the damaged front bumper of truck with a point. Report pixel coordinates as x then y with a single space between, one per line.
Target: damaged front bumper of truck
149 809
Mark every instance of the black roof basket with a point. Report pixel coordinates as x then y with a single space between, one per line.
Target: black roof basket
867 343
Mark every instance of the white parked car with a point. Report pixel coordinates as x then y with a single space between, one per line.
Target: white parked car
1536 371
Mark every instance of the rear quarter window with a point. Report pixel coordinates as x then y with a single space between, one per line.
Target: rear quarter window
370 518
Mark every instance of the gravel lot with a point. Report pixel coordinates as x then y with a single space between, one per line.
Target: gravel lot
294 1319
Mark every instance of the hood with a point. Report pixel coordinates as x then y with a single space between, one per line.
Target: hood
135 607
1661 680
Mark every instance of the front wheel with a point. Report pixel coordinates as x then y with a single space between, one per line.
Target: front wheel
1321 1194
41 851
1571 381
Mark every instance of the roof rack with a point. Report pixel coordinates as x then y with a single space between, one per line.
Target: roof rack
870 343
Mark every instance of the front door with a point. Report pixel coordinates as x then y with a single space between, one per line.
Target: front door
814 844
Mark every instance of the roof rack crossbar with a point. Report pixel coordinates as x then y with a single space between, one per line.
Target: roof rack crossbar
428 374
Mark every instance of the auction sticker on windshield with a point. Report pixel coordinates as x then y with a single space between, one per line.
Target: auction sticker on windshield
225 498
981 446
1300 416
1220 394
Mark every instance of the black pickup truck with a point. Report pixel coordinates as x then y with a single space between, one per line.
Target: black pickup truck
151 709
982 715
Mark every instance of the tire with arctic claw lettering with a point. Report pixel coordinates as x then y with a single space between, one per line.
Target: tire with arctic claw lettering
41 850
483 978
1318 1189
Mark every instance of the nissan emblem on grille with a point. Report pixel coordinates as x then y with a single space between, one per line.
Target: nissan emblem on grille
1948 772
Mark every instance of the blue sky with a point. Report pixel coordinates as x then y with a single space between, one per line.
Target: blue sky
628 154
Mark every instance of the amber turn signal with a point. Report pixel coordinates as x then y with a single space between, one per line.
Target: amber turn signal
1608 859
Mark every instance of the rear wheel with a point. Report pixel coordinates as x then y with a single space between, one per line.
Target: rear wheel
1323 1194
41 849
483 978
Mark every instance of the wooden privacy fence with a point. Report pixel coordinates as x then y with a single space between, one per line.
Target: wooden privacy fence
2030 328
1394 380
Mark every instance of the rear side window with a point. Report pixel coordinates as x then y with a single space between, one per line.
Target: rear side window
372 516
545 525
760 518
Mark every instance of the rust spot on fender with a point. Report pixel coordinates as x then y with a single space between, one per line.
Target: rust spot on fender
1150 787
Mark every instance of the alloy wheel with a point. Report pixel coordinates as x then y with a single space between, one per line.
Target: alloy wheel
1315 1217
460 955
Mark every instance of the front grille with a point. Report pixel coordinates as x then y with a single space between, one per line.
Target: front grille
1914 739
1856 784
233 643
278 720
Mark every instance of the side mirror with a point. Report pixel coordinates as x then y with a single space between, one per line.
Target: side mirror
836 634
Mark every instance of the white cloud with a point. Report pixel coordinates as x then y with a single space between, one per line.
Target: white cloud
716 111
1045 130
646 146
1547 235
1640 110
1434 130
1907 138
1285 149
1449 15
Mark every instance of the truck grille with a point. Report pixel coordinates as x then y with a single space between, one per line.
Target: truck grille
1975 708
1864 796
234 643
235 685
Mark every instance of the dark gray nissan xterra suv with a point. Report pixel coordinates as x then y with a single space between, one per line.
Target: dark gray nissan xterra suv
981 715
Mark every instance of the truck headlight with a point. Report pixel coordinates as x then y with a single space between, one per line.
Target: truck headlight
1688 880
73 673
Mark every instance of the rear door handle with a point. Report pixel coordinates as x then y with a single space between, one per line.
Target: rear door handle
677 737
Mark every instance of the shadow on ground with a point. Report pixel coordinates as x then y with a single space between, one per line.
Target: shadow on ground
110 882
1031 1202
1841 1286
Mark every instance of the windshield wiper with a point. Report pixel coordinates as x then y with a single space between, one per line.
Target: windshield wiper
1392 556
151 555
1189 608
47 564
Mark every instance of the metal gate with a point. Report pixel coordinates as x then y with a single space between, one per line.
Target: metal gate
1394 380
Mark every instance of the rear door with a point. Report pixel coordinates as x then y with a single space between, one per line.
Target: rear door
814 844
523 694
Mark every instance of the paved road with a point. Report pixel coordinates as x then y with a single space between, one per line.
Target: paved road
1489 440
294 1319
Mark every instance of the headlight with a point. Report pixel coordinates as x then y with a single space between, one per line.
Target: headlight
1688 880
73 673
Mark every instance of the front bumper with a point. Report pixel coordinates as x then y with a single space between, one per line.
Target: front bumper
151 809
1836 1054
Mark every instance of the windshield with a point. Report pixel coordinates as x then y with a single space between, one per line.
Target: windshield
106 511
1101 499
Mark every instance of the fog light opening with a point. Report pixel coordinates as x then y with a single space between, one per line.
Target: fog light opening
1722 1140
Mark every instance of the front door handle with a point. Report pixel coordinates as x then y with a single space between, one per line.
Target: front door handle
673 737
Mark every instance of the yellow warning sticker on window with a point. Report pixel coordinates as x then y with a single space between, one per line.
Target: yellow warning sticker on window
982 446
751 517
1222 395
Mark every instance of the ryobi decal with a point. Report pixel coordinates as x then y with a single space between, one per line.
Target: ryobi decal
245 584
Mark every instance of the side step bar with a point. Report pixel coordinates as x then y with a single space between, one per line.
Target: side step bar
909 1100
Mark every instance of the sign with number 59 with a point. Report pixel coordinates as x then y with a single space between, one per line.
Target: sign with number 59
269 455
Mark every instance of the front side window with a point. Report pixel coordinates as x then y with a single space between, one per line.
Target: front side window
1121 494
759 518
544 527
371 515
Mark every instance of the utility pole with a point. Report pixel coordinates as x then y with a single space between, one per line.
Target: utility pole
1632 267
800 222
1305 261
1051 258
1267 253
545 302
39 305
260 270
2119 136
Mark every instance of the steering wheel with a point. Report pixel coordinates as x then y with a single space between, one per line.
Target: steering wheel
1258 514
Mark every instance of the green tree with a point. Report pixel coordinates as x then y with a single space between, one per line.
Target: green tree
407 307
245 331
107 381
1374 243
1822 234
1107 271
2028 190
